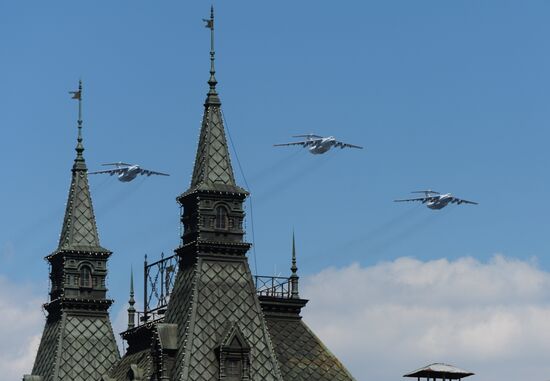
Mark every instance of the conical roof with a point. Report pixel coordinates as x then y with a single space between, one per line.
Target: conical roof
213 170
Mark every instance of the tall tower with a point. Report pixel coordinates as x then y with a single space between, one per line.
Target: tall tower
222 333
78 341
217 325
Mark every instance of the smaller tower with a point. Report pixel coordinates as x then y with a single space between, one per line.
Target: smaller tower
78 343
131 302
294 276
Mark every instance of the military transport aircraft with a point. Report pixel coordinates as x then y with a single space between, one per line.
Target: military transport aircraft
128 172
317 144
436 200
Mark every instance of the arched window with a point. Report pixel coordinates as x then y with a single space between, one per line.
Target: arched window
85 276
221 218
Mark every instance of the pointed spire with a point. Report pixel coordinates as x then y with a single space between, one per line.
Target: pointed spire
131 302
213 170
294 276
212 98
79 231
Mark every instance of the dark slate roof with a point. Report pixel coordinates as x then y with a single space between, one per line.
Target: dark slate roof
76 348
142 349
301 355
213 170
179 308
143 359
79 231
44 363
88 348
206 297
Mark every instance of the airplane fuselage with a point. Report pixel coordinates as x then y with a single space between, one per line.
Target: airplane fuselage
322 145
129 174
442 201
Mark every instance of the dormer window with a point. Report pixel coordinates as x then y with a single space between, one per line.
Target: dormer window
234 355
221 220
233 369
85 276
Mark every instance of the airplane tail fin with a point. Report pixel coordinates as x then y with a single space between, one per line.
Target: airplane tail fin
309 136
427 192
118 164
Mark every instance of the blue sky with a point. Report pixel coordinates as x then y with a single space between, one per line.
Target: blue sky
444 95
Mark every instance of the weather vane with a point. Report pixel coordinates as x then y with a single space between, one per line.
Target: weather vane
78 95
209 23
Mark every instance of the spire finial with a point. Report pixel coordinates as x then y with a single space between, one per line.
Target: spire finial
212 82
132 284
294 276
79 146
131 302
294 269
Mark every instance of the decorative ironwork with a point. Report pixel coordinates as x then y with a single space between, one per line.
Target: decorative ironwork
274 286
159 278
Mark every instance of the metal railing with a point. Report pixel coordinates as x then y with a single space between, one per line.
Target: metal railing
159 281
159 278
274 286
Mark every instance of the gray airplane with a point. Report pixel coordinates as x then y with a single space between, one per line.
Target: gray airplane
127 172
317 144
436 200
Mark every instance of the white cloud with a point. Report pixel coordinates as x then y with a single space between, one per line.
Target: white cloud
21 327
385 320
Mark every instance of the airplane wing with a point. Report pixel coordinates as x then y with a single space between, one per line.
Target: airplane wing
147 172
459 201
304 143
117 171
421 199
344 145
